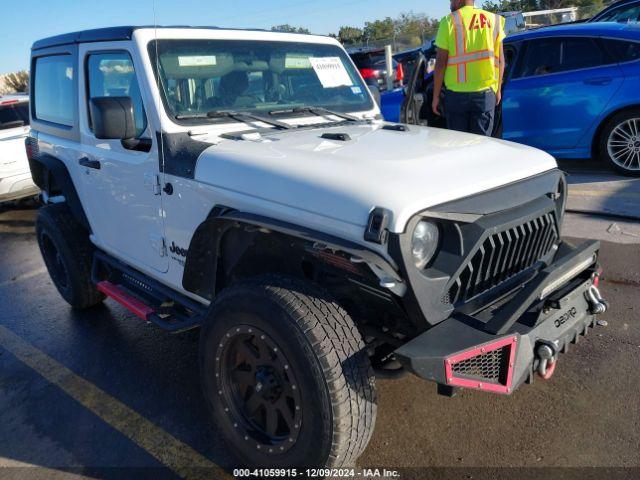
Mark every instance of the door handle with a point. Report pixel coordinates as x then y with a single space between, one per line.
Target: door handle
86 162
598 81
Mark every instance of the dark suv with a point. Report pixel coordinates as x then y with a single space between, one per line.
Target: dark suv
373 68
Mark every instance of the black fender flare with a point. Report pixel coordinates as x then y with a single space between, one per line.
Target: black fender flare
53 177
201 262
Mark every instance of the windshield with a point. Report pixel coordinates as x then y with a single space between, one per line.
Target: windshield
203 76
623 14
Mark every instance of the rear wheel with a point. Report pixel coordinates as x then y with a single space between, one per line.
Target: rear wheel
620 142
67 253
286 376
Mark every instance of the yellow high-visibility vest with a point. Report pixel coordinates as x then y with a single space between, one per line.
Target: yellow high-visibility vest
473 38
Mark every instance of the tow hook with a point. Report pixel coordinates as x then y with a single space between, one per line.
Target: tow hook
597 304
546 361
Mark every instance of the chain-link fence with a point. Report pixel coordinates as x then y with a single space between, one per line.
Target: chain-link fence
399 43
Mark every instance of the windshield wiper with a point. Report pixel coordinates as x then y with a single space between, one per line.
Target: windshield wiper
319 111
238 116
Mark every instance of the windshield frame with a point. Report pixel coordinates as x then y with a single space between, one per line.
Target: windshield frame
366 106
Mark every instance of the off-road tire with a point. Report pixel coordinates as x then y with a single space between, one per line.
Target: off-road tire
605 134
324 352
67 253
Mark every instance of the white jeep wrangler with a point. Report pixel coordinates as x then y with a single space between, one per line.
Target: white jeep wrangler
242 181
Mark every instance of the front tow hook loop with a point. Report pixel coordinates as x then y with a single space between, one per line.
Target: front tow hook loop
596 303
547 361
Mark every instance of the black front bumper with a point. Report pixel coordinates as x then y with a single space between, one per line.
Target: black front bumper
498 354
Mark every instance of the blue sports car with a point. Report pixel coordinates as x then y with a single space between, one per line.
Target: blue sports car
571 90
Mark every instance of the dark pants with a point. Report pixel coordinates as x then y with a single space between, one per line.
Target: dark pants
471 112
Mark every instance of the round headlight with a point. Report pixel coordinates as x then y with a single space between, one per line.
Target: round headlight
424 242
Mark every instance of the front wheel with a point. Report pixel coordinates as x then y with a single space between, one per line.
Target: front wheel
286 376
620 142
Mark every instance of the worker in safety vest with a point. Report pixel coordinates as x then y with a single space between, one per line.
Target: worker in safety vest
470 62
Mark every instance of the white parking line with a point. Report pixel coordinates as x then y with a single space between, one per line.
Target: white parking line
167 449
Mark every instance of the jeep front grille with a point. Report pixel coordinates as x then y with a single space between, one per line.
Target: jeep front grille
503 255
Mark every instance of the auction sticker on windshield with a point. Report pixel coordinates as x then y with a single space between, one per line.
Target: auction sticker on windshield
197 61
331 71
294 61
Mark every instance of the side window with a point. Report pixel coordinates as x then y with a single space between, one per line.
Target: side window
54 90
580 53
509 59
111 74
622 50
554 55
541 57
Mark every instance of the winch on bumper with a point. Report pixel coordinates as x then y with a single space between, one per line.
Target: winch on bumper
524 335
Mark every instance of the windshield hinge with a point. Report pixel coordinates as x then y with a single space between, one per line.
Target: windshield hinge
159 244
153 180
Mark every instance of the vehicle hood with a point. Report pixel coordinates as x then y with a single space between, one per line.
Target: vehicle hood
402 171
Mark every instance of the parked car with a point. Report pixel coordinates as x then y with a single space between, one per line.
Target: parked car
314 244
390 102
15 176
578 85
621 11
372 65
570 90
408 58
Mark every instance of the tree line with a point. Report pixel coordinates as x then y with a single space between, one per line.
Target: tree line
417 28
14 82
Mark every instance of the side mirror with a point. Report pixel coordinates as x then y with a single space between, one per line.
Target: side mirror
375 92
112 118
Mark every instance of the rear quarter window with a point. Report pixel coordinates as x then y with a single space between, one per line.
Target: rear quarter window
623 50
545 56
54 89
368 60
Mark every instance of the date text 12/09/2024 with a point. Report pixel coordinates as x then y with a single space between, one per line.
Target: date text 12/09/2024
315 473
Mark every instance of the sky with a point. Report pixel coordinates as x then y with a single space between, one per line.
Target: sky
25 21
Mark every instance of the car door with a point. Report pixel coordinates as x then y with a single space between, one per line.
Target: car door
558 88
418 95
121 178
511 51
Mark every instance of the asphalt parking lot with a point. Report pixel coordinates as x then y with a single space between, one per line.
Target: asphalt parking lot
99 394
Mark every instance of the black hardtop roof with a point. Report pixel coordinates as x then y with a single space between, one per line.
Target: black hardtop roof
110 34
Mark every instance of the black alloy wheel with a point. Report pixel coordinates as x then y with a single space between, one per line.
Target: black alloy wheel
258 389
286 375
